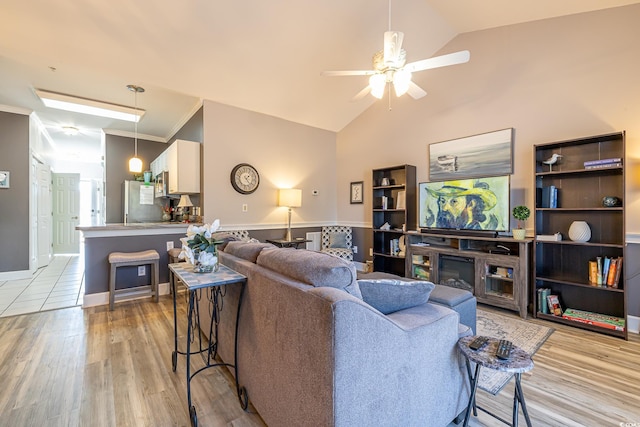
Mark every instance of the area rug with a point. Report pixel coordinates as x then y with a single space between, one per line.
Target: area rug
527 336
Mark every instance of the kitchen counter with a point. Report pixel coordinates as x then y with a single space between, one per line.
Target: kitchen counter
101 240
134 229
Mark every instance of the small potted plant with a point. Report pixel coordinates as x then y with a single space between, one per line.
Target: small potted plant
520 213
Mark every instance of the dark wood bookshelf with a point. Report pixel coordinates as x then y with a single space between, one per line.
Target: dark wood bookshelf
400 178
563 266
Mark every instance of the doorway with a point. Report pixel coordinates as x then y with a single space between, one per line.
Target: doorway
66 213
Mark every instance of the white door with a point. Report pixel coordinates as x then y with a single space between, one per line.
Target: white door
43 173
66 213
96 202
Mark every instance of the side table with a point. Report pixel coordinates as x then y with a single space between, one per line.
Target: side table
519 361
211 284
282 243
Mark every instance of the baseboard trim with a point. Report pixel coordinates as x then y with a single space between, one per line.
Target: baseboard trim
633 324
15 275
102 298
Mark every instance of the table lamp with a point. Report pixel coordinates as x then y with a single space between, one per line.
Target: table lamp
185 204
291 198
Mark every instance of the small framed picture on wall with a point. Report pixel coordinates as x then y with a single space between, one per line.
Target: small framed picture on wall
357 188
4 179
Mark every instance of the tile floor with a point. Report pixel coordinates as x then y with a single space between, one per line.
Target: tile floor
58 285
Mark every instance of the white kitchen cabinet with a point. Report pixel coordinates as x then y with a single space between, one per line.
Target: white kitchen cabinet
183 163
159 165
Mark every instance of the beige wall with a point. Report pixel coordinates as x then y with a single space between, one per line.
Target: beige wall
551 80
286 155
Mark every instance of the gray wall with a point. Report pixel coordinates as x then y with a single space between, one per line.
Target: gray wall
14 201
631 270
192 130
119 149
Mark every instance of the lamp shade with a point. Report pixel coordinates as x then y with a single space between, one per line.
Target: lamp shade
135 165
290 197
185 201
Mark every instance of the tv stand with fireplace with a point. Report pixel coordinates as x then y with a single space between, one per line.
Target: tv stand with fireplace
496 269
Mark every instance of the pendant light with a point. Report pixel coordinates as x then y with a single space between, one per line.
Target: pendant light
135 163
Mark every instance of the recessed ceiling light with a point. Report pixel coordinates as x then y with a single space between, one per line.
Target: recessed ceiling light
70 130
89 106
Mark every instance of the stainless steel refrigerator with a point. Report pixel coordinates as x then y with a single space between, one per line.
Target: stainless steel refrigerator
140 203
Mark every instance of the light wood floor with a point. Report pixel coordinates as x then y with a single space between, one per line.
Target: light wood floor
75 367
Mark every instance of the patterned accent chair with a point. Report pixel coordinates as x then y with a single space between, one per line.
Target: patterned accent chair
337 241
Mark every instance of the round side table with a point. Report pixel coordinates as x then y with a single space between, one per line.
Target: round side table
519 361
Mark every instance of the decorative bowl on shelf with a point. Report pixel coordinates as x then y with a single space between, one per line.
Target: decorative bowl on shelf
611 201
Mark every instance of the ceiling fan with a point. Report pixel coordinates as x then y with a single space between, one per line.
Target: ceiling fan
389 66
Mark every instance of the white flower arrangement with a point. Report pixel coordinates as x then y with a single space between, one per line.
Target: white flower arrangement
199 241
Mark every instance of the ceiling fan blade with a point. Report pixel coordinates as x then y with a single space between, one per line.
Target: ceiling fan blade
348 73
415 91
439 61
364 92
392 46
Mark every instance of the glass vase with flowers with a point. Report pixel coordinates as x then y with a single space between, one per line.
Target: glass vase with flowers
200 248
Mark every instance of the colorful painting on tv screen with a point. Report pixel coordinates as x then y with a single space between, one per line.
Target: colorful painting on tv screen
467 204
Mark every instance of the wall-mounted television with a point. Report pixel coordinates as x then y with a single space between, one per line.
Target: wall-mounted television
480 204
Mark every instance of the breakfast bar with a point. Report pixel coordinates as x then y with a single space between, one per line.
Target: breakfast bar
100 241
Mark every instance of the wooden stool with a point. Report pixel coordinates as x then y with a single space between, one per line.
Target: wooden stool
125 259
173 258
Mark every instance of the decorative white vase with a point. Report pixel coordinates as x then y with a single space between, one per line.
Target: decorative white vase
579 231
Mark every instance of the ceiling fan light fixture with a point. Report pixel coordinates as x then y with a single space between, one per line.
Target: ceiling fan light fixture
377 83
392 47
401 80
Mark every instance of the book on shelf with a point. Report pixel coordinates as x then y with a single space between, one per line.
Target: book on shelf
543 307
401 202
554 305
549 197
604 166
394 247
596 319
549 237
616 281
605 271
603 161
593 273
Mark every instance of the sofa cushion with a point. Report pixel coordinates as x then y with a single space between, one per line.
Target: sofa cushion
247 250
314 268
225 237
338 240
389 295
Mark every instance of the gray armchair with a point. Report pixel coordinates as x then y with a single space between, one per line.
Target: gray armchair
337 240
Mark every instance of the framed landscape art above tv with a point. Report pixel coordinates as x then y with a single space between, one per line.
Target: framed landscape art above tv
468 204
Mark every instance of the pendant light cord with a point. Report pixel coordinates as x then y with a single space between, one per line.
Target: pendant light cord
135 126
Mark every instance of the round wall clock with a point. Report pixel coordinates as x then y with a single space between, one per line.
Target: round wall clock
245 178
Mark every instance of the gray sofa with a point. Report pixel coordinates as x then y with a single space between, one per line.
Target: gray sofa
312 354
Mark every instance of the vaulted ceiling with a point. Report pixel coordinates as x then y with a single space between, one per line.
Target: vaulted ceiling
263 56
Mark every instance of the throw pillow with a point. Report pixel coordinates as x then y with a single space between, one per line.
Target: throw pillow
389 295
338 240
225 237
246 250
314 268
